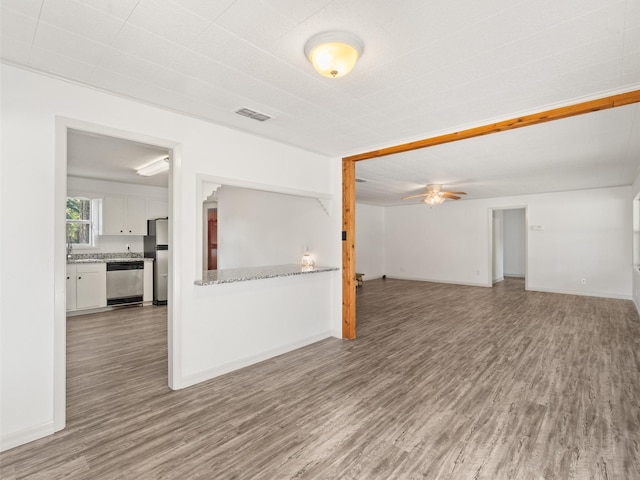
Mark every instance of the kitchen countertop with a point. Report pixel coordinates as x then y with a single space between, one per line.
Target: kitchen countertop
232 275
105 258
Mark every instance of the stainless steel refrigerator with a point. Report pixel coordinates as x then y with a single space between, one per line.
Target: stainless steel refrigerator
156 246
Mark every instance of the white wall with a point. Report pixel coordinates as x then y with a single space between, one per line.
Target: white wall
585 234
498 246
514 242
635 269
90 188
370 243
257 228
212 329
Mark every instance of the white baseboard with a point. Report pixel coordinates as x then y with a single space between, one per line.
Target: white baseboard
515 275
336 334
500 279
189 380
416 279
16 439
582 294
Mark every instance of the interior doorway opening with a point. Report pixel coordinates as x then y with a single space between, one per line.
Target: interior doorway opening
212 237
508 243
63 127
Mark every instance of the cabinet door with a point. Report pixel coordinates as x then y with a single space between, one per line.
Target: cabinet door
113 216
157 209
91 290
71 290
148 282
136 216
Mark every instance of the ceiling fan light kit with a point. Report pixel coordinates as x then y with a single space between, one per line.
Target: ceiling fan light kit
333 54
435 199
435 196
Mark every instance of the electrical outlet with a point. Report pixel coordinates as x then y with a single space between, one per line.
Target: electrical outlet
583 281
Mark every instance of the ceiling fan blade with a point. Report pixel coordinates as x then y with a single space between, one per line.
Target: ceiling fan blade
457 193
415 196
451 196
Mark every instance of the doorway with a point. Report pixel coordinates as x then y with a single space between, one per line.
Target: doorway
63 127
212 238
508 227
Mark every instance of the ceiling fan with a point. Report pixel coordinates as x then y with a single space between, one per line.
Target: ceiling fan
435 196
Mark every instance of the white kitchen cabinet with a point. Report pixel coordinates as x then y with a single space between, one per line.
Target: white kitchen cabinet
157 208
147 295
124 216
71 287
86 286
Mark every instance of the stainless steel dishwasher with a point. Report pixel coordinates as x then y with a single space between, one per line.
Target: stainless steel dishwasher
125 282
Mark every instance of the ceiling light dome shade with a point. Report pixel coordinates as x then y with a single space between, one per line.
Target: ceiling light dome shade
333 54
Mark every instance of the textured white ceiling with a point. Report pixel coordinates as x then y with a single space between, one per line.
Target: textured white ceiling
599 149
114 159
427 68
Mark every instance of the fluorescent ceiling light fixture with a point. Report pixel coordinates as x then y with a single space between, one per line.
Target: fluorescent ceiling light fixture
333 54
154 168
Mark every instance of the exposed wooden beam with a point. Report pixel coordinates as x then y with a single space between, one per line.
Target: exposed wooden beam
349 179
348 249
518 122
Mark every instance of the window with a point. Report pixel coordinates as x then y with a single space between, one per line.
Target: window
81 221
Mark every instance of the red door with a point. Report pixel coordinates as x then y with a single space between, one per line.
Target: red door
212 239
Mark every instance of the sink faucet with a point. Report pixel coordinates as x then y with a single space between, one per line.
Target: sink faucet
69 249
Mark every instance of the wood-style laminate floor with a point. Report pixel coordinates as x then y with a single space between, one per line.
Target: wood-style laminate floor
443 382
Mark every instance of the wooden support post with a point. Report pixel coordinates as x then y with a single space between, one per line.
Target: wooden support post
348 249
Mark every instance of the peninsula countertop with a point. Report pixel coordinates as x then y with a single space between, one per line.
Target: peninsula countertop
232 275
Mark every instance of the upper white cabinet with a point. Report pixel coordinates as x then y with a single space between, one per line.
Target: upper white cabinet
136 216
157 208
124 216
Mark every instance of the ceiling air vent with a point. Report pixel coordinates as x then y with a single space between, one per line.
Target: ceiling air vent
246 112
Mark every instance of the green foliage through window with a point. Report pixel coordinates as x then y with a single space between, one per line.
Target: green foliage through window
79 221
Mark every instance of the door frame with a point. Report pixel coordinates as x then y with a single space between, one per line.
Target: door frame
349 179
526 241
62 125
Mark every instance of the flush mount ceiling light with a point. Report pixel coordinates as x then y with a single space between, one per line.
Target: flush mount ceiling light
154 168
333 54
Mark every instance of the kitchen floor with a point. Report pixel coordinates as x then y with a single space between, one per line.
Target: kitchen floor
443 382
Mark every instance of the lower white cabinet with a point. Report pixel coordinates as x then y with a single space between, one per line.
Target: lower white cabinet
147 296
71 287
86 286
